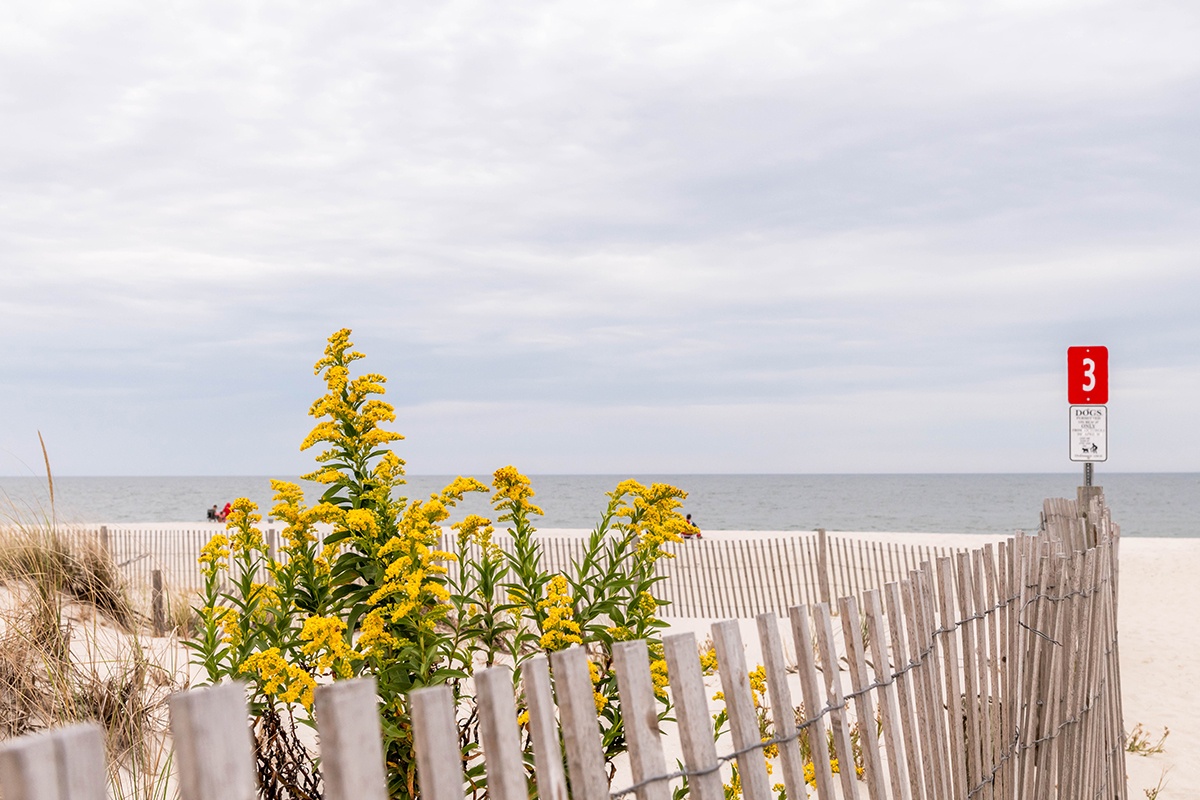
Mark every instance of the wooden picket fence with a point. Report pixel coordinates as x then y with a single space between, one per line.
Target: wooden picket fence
991 674
715 577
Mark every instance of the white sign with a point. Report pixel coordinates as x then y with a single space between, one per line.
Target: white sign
1089 433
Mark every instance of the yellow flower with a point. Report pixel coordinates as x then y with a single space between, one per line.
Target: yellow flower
373 638
559 628
325 642
658 675
758 683
513 488
241 521
215 554
708 660
645 604
266 595
336 351
227 621
619 633
277 678
361 521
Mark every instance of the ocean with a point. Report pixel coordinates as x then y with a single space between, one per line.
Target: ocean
1143 504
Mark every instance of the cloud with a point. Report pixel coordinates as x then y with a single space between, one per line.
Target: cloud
670 219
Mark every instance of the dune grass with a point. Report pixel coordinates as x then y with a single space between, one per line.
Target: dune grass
73 648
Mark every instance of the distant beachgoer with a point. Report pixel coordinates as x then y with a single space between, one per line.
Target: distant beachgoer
212 513
224 512
694 529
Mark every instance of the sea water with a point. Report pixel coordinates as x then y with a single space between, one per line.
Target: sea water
1165 504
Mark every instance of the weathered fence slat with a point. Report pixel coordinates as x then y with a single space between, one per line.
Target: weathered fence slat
953 688
907 693
813 699
691 712
639 712
888 713
835 700
214 750
347 715
543 729
499 735
852 633
782 714
581 729
54 765
972 692
435 740
743 723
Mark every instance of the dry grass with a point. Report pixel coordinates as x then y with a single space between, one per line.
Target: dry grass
57 561
72 649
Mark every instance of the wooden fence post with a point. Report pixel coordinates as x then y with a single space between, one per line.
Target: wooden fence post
543 730
581 729
105 544
739 703
823 565
499 735
53 765
435 738
351 743
856 660
639 710
214 750
691 711
782 710
157 610
810 687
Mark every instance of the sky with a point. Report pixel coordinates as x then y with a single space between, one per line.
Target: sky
661 237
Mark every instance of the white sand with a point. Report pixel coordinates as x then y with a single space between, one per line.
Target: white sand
1160 659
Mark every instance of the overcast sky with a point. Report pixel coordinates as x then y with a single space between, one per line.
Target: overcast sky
599 238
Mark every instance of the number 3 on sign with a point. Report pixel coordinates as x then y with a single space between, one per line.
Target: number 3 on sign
1087 376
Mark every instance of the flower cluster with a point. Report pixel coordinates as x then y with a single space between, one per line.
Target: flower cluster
559 628
658 676
514 489
373 637
708 660
596 675
325 643
653 513
241 520
279 679
214 555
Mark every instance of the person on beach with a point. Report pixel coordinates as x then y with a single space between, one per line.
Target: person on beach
693 531
224 512
212 513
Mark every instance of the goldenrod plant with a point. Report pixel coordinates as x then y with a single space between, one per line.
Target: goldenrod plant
368 582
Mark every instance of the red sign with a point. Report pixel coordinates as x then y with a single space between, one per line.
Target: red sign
1087 376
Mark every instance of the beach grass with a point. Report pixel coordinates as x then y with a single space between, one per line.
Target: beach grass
73 648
